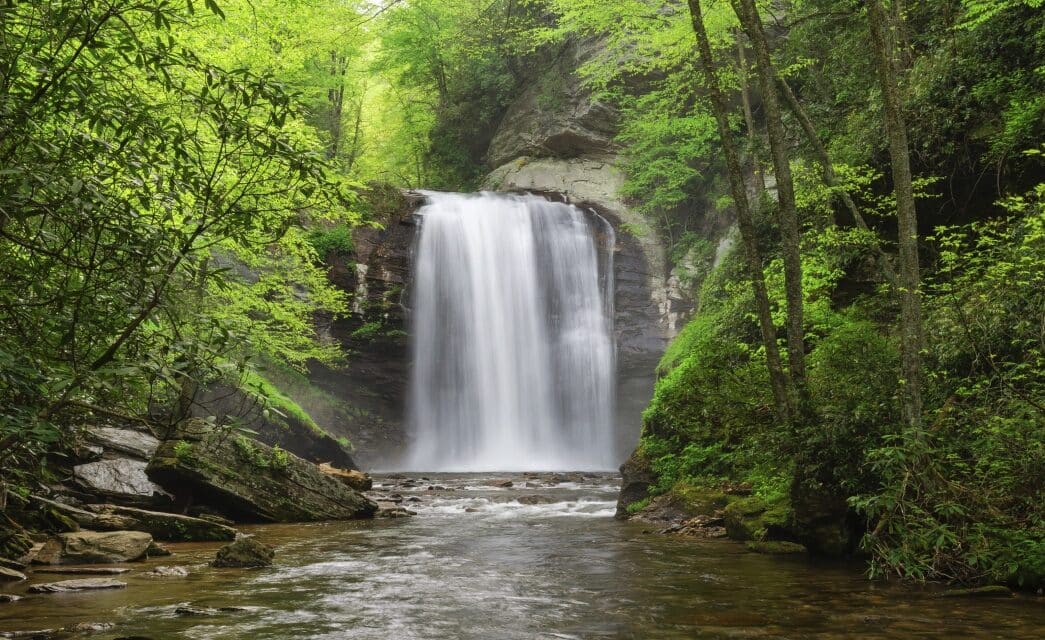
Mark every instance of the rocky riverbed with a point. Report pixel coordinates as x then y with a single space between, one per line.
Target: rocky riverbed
499 556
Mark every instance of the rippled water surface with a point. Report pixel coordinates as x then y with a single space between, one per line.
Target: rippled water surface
476 563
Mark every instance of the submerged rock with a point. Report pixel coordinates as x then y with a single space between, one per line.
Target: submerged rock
84 571
990 591
394 512
244 553
91 547
248 480
207 611
168 572
776 547
535 499
83 584
8 597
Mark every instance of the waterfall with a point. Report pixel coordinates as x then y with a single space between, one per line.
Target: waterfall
513 347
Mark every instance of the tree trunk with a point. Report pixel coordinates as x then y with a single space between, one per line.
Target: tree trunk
829 176
749 116
336 98
911 330
786 210
745 222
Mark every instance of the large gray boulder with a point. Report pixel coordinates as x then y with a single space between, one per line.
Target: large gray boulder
122 480
137 444
92 547
250 481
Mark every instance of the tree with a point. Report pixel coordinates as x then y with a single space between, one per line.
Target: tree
787 213
911 328
745 221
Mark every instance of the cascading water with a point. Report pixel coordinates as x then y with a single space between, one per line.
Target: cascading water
513 336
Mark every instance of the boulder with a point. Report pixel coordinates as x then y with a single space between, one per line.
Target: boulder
636 479
137 444
122 480
90 547
169 527
247 480
84 584
244 553
356 479
11 575
8 597
168 572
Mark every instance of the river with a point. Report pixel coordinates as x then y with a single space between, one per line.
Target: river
475 563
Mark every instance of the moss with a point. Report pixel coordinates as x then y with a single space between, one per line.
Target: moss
753 518
699 499
776 547
638 505
255 383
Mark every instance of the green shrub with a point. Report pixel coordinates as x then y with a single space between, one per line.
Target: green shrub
335 241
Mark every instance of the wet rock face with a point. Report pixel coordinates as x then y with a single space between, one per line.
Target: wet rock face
250 481
636 478
374 384
555 115
90 547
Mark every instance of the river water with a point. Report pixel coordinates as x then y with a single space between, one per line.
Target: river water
476 563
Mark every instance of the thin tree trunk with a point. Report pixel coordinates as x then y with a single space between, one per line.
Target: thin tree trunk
745 222
749 116
786 209
911 330
829 176
336 98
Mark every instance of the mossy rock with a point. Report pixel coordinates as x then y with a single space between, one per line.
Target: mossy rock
776 547
753 518
699 500
250 481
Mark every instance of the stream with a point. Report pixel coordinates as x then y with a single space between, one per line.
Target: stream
475 563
